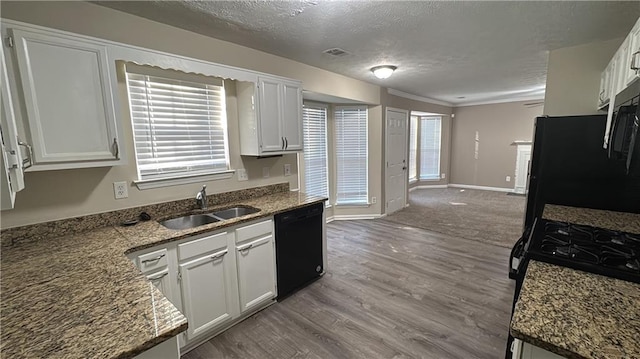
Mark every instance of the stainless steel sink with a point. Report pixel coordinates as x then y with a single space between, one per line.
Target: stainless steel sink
191 221
234 212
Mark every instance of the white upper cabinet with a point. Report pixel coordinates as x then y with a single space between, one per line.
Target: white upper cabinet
68 100
292 116
271 122
11 163
633 55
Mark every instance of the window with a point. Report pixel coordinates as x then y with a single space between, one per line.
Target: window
413 149
351 155
430 148
180 127
314 128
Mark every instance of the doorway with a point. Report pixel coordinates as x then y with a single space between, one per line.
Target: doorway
523 158
396 159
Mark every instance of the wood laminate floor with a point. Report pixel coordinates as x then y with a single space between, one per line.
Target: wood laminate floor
391 291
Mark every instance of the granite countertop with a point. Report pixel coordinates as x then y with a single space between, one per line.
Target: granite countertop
79 296
619 221
578 314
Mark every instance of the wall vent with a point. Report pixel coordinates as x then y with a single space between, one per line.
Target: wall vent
335 52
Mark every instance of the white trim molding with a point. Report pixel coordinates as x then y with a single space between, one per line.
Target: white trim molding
428 187
482 188
349 217
503 100
417 98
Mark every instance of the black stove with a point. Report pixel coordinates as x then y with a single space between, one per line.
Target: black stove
596 250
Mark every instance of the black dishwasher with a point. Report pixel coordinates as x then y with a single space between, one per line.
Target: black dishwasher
298 248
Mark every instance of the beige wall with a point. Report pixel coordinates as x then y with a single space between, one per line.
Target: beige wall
498 125
573 77
68 193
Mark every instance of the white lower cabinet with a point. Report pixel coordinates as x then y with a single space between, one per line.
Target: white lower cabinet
255 256
215 279
523 350
207 284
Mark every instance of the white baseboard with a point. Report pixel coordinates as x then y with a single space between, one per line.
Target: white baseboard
428 187
482 188
350 217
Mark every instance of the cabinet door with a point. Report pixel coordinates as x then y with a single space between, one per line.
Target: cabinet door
634 54
292 116
68 98
11 177
256 272
271 138
207 292
162 281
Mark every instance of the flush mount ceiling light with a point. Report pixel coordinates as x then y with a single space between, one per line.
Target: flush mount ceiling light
384 71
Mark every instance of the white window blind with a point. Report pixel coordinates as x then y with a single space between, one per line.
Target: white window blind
430 148
180 127
413 148
351 155
314 127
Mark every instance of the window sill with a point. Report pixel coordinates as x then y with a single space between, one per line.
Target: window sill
167 182
352 204
412 181
430 179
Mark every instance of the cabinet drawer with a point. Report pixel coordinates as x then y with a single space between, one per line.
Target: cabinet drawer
254 230
203 245
153 260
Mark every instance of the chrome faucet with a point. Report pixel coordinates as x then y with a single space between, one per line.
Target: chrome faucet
201 197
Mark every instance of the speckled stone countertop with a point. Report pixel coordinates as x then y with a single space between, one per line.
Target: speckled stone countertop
619 221
578 314
79 296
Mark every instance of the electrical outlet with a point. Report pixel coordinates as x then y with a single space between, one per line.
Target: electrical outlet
242 174
120 190
265 172
508 179
374 200
287 169
443 175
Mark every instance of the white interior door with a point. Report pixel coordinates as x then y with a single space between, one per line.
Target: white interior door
396 159
522 168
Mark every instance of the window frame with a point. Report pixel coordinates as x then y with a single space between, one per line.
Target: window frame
430 177
184 177
414 132
336 119
326 109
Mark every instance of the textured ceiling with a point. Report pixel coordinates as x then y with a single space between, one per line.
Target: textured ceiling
453 51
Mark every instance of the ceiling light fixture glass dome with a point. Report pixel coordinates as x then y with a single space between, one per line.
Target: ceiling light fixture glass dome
384 71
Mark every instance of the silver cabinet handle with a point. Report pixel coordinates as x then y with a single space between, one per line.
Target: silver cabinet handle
115 148
217 256
158 277
286 143
283 143
27 162
153 259
246 248
634 65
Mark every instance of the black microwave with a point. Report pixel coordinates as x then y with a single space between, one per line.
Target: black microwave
624 139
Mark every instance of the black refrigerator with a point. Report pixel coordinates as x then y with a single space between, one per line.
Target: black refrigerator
569 166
